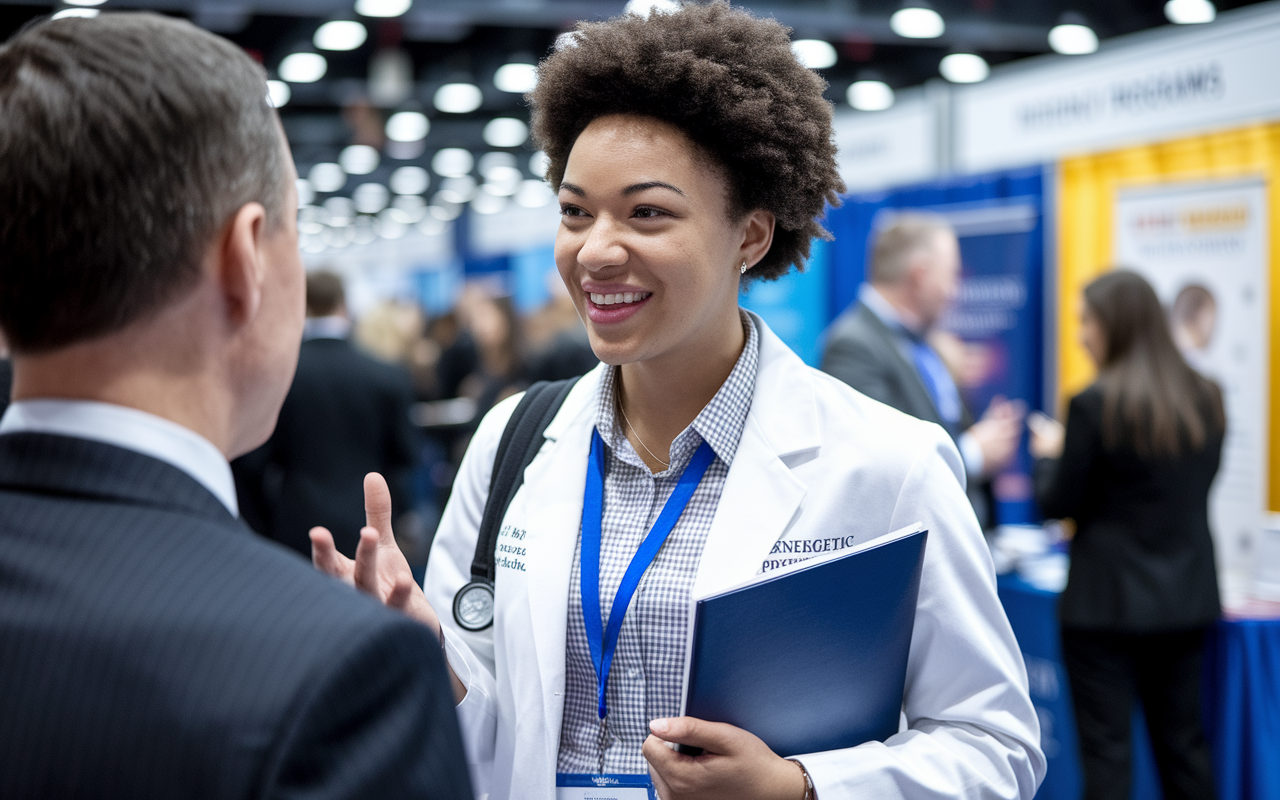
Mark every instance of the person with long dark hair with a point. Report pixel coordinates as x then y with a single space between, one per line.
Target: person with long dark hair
1133 468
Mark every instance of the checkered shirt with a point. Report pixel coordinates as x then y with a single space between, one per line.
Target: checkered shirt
648 666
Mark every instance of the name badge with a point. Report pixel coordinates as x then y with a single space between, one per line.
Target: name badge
604 787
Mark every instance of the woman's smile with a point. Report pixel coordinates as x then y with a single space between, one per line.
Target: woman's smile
610 309
611 303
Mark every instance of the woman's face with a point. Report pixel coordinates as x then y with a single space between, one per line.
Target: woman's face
1092 338
646 247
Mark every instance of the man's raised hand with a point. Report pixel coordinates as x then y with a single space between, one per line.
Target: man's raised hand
379 568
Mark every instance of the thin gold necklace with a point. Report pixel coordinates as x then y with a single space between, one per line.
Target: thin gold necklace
665 464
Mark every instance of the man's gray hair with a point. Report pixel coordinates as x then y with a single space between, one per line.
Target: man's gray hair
899 238
127 142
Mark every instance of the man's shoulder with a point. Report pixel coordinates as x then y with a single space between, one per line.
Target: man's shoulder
857 326
153 571
173 634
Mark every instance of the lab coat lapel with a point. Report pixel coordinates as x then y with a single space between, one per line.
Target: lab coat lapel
556 479
761 496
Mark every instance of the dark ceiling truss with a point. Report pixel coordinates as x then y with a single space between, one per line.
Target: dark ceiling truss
837 20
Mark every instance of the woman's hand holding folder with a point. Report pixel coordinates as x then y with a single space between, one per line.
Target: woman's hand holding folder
734 765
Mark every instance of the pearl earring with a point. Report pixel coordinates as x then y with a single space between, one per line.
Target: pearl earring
743 271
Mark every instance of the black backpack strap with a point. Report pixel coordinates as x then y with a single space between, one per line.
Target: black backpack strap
521 440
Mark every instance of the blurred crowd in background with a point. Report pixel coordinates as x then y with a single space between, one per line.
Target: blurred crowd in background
397 391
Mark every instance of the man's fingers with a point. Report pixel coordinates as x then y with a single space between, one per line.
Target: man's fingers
714 737
366 570
377 506
402 593
325 555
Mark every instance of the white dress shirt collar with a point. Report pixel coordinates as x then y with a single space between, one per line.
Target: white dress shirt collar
332 327
133 430
888 313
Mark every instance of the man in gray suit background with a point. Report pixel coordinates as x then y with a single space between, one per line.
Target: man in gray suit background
880 346
151 646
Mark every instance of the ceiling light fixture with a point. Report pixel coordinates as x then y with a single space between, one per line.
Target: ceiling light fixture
458 98
370 198
495 160
505 132
503 181
83 13
516 78
917 22
814 53
411 208
278 93
84 2
870 95
408 126
340 34
459 190
303 67
382 8
452 162
359 159
964 68
410 180
1190 12
327 177
1072 36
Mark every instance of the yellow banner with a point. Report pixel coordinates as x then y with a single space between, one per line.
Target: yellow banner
1088 188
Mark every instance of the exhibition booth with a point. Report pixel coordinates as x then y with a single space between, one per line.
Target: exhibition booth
1158 154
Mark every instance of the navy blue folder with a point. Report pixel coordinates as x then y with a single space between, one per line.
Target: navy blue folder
815 658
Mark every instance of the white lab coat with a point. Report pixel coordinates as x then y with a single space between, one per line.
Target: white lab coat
816 460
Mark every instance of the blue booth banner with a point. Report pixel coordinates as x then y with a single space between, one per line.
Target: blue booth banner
993 336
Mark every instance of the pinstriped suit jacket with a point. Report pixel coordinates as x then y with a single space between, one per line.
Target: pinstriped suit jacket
151 646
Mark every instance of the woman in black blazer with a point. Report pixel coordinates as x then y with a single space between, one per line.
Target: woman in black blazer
1133 469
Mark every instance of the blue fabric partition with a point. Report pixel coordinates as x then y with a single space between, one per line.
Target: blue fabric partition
999 315
1241 702
795 306
1242 708
1034 618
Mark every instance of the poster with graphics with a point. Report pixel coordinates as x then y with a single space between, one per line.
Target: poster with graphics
1205 249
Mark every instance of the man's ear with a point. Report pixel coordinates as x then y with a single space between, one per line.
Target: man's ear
240 265
757 235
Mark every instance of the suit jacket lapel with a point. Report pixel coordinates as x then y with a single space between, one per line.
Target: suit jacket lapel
54 464
922 404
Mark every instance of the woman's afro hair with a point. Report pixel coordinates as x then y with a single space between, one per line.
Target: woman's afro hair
731 83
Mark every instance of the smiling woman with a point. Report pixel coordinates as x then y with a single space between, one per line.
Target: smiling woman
691 150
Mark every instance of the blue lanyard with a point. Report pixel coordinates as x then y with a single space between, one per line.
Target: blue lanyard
600 640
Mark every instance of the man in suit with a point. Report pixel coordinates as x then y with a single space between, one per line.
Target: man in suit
880 346
346 415
151 292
